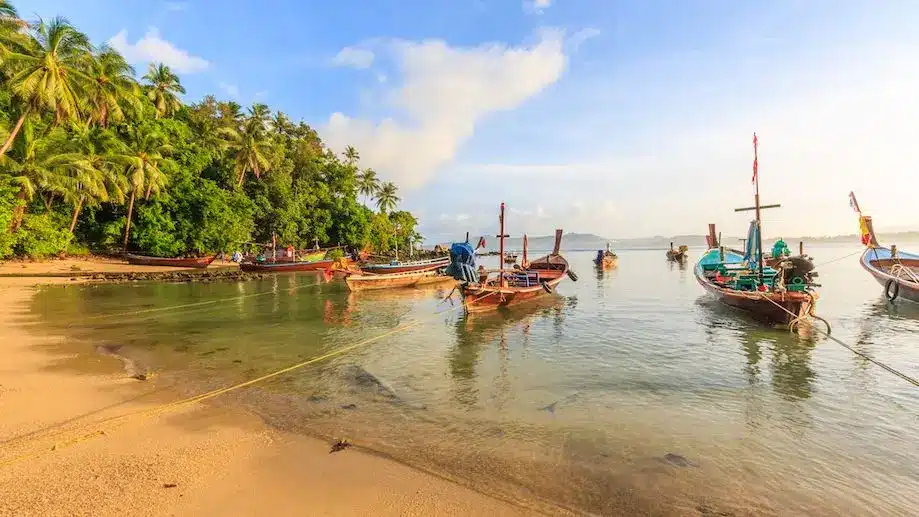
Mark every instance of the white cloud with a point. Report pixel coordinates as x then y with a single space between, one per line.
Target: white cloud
230 89
152 48
579 37
176 6
354 58
536 6
445 92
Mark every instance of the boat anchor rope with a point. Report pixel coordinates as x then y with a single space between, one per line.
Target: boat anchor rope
906 377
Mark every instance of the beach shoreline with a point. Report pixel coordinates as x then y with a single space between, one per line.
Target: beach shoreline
197 459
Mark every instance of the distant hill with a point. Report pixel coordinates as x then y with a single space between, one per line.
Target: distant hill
589 241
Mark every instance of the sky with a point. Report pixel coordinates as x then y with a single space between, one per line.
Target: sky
623 118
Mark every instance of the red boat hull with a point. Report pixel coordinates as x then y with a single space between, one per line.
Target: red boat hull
197 263
768 307
286 267
489 298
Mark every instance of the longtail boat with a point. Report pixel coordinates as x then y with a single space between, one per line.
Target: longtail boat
679 254
605 258
403 267
194 262
782 294
897 271
485 290
362 282
287 266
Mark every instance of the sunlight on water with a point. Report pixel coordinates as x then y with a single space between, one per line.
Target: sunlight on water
629 391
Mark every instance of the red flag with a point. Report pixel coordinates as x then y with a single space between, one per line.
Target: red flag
755 159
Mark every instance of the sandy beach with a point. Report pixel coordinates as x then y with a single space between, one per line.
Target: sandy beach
200 459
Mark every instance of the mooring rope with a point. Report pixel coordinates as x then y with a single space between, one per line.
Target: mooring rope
907 378
114 421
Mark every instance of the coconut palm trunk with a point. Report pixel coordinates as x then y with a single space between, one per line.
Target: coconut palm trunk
76 213
127 226
14 132
19 211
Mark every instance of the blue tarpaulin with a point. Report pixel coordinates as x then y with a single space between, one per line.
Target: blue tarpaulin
462 263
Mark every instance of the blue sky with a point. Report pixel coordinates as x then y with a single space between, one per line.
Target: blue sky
623 118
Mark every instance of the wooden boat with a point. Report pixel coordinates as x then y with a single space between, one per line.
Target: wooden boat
287 266
362 282
743 280
510 259
896 270
484 290
195 262
605 259
678 255
403 267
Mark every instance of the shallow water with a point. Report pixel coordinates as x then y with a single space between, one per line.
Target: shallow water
627 393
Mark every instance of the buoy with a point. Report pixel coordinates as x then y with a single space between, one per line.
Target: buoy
546 286
572 275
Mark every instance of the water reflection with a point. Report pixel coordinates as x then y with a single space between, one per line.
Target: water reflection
476 333
791 373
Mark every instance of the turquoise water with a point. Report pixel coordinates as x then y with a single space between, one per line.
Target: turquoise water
628 393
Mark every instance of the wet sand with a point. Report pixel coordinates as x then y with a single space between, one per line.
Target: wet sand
202 459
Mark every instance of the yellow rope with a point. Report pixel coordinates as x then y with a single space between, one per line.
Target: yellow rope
121 419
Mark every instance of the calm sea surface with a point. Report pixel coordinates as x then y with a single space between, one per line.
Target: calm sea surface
628 393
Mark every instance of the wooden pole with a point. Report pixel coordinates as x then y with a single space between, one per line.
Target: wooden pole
501 246
801 248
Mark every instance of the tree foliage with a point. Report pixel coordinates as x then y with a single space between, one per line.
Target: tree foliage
94 158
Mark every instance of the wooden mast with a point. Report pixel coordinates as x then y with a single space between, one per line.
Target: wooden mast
524 263
757 207
501 237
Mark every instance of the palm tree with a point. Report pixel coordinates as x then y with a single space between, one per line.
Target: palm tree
351 155
251 149
10 28
230 113
281 124
46 73
386 197
147 150
113 87
368 184
107 155
43 167
163 89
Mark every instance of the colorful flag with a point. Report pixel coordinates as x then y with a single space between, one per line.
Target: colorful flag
853 203
755 159
481 243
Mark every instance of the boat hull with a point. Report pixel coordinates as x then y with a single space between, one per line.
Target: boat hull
286 267
676 256
197 262
406 267
769 307
489 298
363 282
872 261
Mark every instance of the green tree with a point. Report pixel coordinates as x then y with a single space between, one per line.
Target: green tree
368 184
250 148
43 166
45 75
104 179
163 89
144 162
351 155
387 198
112 89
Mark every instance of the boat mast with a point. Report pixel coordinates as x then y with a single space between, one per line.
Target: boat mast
759 224
757 207
501 246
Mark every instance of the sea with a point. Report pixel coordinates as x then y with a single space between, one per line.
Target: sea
628 392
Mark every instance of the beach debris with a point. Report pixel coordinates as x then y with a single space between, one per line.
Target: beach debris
169 485
706 510
348 406
676 460
340 445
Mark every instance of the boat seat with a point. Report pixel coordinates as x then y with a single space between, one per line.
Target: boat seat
525 279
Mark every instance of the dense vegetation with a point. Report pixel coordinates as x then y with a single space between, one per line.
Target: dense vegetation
93 158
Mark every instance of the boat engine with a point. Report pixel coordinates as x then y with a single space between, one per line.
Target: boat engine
797 272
